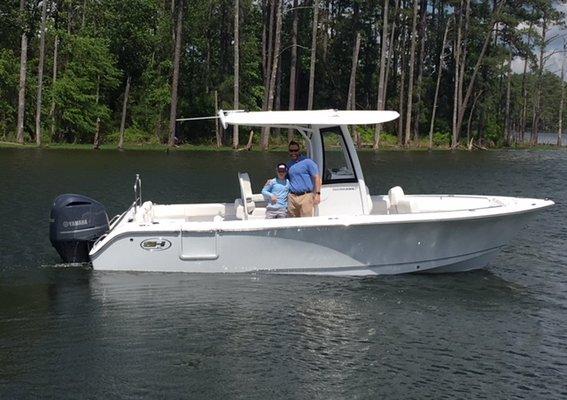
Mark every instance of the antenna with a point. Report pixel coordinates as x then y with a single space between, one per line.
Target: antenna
196 118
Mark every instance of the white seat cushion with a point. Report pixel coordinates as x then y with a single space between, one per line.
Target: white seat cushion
395 194
247 195
399 203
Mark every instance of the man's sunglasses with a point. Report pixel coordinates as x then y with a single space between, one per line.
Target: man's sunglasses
294 150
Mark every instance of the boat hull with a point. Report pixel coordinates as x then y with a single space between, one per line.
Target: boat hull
355 249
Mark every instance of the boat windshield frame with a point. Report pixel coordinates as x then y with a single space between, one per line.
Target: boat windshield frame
345 152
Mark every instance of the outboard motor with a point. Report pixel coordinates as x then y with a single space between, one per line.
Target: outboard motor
75 223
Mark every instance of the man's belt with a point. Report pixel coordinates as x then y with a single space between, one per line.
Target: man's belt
300 193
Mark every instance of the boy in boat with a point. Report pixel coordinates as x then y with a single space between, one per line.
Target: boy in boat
275 192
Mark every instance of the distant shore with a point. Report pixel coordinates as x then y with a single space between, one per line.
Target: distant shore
255 148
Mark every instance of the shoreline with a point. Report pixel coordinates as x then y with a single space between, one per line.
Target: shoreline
255 149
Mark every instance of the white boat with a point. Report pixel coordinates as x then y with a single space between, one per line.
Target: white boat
352 232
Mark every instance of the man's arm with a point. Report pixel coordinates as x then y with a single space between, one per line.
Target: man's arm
317 188
267 191
316 176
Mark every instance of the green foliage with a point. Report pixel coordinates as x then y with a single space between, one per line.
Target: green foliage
133 135
366 134
387 139
105 41
367 137
75 92
494 132
150 105
8 91
441 139
132 37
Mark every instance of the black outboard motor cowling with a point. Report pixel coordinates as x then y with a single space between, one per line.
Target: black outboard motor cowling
75 223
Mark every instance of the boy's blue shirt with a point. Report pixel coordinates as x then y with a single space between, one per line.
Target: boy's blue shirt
278 188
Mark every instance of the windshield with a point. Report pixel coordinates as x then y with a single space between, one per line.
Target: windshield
337 165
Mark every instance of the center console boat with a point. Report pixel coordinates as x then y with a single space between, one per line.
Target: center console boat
353 232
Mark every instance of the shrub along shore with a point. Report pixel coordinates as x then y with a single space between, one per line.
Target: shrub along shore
281 147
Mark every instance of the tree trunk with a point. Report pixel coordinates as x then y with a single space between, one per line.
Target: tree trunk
250 138
538 106
54 79
382 76
217 129
524 94
313 55
464 103
209 36
507 133
22 86
389 59
560 130
278 92
401 108
172 14
269 54
457 52
158 130
389 55
351 97
439 71
124 108
293 67
175 80
523 114
264 39
278 89
469 142
410 76
276 55
463 64
40 74
236 70
83 18
421 59
402 87
325 38
96 141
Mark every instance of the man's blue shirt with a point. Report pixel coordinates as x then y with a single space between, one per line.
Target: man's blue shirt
301 174
278 188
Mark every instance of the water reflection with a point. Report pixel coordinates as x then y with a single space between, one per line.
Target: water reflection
76 333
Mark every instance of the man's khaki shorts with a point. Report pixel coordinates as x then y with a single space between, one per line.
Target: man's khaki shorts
300 206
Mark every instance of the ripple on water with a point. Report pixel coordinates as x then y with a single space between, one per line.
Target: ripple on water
72 333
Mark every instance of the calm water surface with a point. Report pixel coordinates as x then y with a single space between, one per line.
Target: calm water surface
74 333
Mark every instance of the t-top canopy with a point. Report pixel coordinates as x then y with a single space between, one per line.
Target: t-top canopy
316 117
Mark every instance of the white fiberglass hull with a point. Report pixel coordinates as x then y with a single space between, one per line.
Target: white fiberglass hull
448 241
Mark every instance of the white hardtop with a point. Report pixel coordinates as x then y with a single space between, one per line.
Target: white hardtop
304 118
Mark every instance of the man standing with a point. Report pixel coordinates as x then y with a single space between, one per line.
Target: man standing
304 183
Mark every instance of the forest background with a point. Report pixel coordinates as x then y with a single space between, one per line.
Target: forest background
461 73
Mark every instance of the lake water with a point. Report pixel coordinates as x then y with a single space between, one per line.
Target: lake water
68 333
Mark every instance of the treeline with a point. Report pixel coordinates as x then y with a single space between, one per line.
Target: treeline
114 71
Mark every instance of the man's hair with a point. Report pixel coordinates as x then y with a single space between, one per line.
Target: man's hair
293 143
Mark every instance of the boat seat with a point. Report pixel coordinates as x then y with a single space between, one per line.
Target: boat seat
368 199
144 214
258 213
247 203
399 203
187 212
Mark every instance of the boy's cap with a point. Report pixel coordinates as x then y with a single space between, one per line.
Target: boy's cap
282 167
